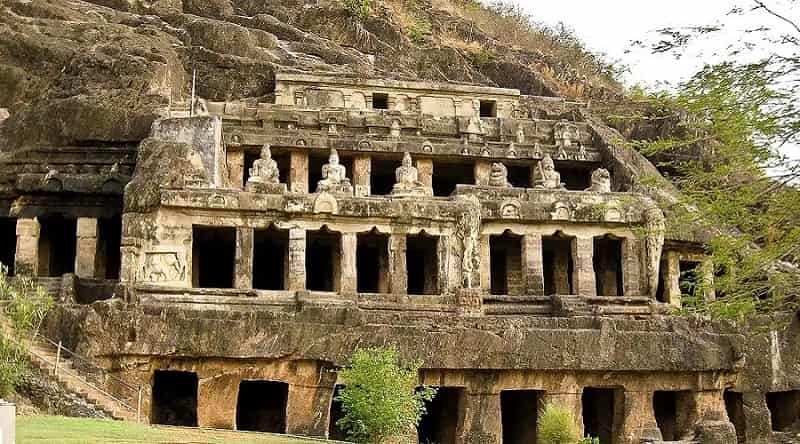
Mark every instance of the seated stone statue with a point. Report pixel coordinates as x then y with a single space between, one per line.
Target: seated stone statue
546 176
264 174
334 177
408 183
498 176
601 181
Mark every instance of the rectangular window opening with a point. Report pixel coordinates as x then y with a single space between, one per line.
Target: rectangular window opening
174 398
439 424
422 261
109 237
382 176
57 243
783 409
270 259
505 263
213 253
372 262
261 406
575 178
488 108
519 176
323 260
607 263
602 413
380 101
558 265
447 175
519 414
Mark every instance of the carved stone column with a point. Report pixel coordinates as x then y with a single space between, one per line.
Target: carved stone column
481 423
308 408
533 264
425 172
362 169
236 168
26 260
397 264
243 273
639 423
349 278
632 253
713 425
486 266
482 171
672 274
298 172
216 401
86 247
297 259
582 254
707 276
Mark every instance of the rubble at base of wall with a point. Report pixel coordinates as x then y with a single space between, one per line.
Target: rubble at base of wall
44 392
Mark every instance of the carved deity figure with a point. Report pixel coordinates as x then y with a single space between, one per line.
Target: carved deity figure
334 176
546 176
407 180
264 169
520 135
394 129
498 176
601 181
564 133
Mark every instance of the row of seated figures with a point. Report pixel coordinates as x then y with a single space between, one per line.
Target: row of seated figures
264 177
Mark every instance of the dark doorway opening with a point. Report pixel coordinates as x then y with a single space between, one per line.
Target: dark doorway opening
57 240
270 256
602 413
519 413
372 262
174 398
422 261
8 243
380 101
575 179
488 108
323 260
261 406
784 409
447 175
280 157
213 253
505 263
688 279
334 431
607 263
672 410
109 237
382 176
734 405
661 295
558 266
316 162
439 424
519 176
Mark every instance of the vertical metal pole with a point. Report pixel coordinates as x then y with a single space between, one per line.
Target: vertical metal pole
139 407
58 358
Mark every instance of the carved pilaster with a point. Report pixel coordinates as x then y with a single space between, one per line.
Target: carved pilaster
397 264
297 259
654 244
584 279
26 260
243 273
298 172
349 272
86 247
533 264
362 169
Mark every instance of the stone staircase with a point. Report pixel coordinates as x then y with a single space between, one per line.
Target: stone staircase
45 355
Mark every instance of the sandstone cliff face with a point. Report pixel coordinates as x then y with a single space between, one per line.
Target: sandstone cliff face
99 72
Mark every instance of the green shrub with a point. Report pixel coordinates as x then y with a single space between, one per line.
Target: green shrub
589 440
556 425
13 366
357 8
418 29
380 399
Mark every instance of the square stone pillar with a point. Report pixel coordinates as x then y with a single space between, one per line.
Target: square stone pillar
632 254
26 260
486 263
639 421
297 259
482 170
349 277
707 276
298 172
582 254
533 264
398 279
425 172
243 270
362 170
308 409
86 247
236 168
216 401
672 274
481 422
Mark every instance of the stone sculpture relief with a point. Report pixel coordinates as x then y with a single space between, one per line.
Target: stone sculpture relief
565 133
407 180
265 175
498 176
163 267
601 181
334 177
546 176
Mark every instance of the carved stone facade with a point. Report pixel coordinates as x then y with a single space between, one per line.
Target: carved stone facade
265 242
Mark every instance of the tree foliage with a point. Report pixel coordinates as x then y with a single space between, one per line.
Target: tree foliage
556 425
726 157
380 399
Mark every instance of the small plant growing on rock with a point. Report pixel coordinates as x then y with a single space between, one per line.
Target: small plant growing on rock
357 8
380 399
556 426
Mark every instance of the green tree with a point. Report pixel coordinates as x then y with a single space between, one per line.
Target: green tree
380 399
556 425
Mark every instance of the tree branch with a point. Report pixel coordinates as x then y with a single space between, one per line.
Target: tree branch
763 6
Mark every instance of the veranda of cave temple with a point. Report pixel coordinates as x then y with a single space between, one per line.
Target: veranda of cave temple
500 238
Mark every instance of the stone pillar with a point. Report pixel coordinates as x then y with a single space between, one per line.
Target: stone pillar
757 421
713 426
481 423
632 253
349 277
216 401
582 254
308 409
533 264
236 168
398 279
425 171
571 402
482 170
297 259
707 278
243 272
639 423
362 169
298 172
486 264
86 247
26 260
672 274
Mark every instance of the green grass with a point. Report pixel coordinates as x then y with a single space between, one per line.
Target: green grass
62 430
